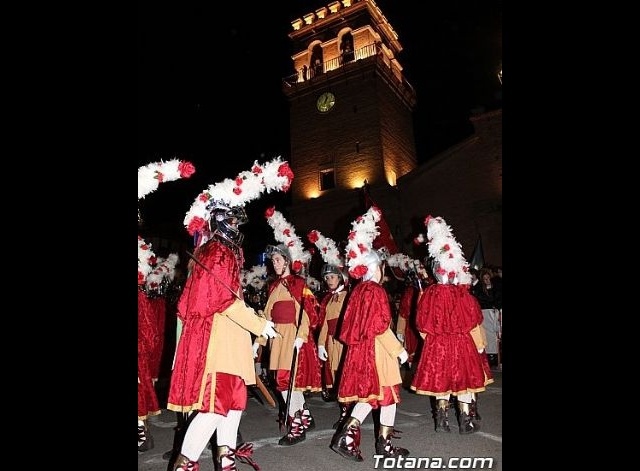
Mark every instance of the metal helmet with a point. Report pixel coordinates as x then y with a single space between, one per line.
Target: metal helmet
281 249
328 268
440 276
225 222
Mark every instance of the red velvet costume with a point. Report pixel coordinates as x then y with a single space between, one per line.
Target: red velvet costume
147 340
285 316
449 362
213 355
368 316
159 306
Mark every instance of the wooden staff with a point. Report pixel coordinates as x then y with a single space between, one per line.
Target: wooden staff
265 392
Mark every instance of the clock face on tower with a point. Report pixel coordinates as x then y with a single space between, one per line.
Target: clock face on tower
325 102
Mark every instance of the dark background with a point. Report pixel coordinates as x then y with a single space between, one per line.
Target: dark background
209 83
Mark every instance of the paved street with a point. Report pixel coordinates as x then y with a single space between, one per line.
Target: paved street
413 418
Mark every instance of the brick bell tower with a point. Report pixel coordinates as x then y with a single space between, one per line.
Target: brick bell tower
351 117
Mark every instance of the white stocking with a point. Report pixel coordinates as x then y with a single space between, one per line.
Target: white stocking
388 415
361 411
228 432
297 401
466 397
228 429
199 433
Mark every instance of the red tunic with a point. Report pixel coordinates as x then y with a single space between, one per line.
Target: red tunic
159 305
206 292
449 362
147 333
367 315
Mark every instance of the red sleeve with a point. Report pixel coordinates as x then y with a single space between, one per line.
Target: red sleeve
147 327
210 290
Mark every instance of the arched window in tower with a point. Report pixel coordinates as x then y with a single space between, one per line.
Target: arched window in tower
346 48
316 61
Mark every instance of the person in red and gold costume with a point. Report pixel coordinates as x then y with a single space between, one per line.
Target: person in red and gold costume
449 319
330 349
213 359
294 308
371 372
150 334
148 404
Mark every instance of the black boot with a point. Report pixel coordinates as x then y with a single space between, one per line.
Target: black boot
350 429
145 440
344 407
442 416
473 408
178 436
384 446
296 432
243 453
308 421
465 422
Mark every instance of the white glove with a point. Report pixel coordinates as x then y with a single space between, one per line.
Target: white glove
258 367
322 353
298 343
256 346
269 330
480 350
400 337
404 356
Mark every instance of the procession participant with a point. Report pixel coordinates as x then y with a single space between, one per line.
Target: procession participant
371 372
213 360
330 349
293 308
449 319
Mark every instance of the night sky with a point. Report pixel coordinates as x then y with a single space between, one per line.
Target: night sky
198 100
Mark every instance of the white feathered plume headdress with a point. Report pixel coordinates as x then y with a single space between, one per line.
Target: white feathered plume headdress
151 175
284 232
149 178
360 244
313 283
327 247
255 276
446 251
247 186
146 260
403 262
165 269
